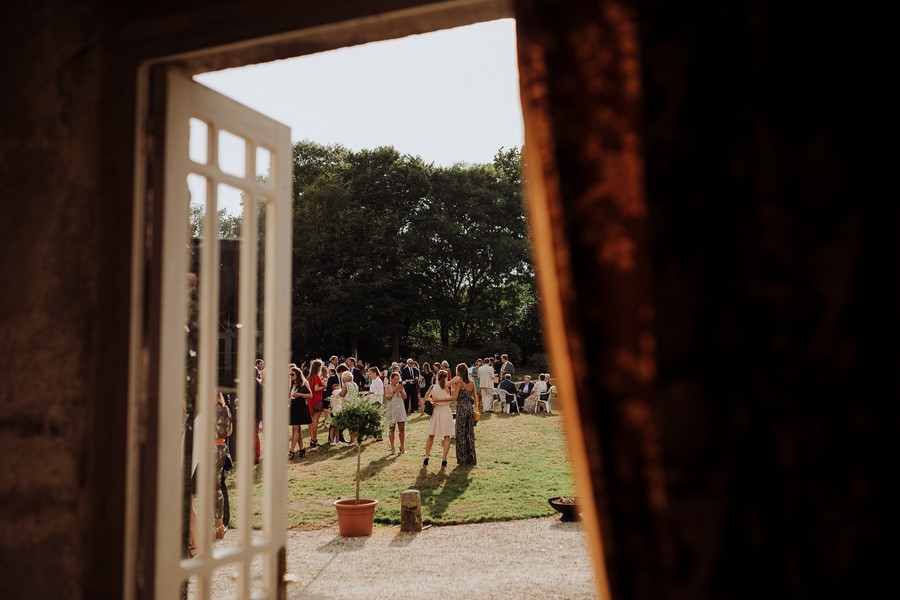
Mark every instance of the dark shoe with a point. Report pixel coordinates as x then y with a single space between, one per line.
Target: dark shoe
313 443
290 456
443 463
425 462
301 453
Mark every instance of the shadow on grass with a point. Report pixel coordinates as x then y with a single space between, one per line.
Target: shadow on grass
326 452
340 453
376 465
439 490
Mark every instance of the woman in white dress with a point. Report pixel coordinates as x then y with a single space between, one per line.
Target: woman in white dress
441 422
395 410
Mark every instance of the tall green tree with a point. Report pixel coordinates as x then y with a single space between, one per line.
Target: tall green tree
472 247
390 252
390 189
350 273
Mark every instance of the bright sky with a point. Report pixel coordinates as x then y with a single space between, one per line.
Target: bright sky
449 96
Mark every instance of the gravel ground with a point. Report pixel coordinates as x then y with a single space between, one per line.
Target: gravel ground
533 558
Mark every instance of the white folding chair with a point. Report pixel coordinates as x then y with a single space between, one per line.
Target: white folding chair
495 399
507 404
543 398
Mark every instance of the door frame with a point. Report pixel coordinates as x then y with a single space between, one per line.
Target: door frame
143 414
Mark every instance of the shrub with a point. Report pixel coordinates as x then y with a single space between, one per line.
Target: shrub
539 361
365 419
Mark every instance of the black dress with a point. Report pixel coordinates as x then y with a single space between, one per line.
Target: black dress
299 409
465 428
427 377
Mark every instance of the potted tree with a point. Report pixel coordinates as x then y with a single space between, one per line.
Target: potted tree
356 516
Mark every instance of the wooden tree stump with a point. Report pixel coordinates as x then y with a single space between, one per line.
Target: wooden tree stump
410 511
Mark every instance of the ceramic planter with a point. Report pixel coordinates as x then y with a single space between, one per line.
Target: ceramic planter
354 519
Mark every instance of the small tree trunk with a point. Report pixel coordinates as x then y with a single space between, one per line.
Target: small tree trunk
358 453
463 334
410 511
395 343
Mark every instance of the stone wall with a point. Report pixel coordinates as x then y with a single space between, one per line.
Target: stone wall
59 314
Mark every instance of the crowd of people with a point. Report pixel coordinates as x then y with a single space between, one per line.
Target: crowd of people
320 388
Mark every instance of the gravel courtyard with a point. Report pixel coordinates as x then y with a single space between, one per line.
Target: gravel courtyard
535 558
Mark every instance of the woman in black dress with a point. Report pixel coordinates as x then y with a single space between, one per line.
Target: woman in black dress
465 392
299 411
427 378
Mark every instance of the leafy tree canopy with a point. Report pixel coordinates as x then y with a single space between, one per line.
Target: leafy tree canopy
394 256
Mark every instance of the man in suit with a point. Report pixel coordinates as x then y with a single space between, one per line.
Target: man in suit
525 389
510 388
409 375
506 367
333 379
358 377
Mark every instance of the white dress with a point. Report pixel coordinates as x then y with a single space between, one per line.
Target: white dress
376 391
441 422
394 410
531 401
336 401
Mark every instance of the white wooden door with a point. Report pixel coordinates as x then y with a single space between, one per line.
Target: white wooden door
201 127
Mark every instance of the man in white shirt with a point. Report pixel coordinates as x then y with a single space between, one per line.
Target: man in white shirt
376 387
486 383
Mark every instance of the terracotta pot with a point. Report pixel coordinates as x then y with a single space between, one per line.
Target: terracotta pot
355 519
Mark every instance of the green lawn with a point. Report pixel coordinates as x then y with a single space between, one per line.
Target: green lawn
522 461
